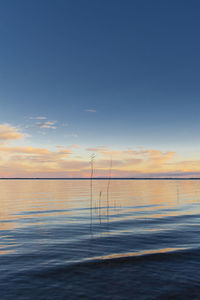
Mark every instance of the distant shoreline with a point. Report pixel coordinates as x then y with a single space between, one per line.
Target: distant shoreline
104 178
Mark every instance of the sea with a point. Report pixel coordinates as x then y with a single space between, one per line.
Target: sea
100 239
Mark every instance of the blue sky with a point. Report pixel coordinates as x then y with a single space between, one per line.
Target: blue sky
110 73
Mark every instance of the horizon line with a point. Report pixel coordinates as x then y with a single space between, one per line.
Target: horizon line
100 178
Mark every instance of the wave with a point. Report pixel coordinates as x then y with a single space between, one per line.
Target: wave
125 258
170 273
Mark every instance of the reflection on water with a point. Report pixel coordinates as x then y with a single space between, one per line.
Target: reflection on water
26 203
52 223
133 254
41 198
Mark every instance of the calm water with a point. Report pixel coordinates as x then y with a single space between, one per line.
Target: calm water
134 240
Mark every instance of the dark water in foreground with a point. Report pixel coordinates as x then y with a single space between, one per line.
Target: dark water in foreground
139 241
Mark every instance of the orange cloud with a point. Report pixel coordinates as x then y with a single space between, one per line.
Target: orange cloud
28 161
24 150
8 132
157 158
106 151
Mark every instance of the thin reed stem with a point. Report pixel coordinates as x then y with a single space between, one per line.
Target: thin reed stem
100 193
108 186
91 186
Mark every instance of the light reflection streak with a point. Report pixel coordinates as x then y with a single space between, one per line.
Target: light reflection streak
134 254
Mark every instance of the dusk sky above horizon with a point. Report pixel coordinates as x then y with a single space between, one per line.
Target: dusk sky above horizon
119 79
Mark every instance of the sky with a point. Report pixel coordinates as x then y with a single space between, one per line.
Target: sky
115 78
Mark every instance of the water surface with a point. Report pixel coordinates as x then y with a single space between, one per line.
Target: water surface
131 239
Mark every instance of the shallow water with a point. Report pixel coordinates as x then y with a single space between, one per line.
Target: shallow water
133 239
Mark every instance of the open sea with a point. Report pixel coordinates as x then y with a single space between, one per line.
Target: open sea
117 239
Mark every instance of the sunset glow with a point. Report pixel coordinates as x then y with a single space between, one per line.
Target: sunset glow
19 158
99 78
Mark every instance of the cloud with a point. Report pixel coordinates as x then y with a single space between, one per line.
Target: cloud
123 163
8 132
157 158
35 151
135 160
38 118
106 151
28 161
90 110
152 155
76 146
24 150
47 125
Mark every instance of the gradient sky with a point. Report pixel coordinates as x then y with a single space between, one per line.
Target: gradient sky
116 78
